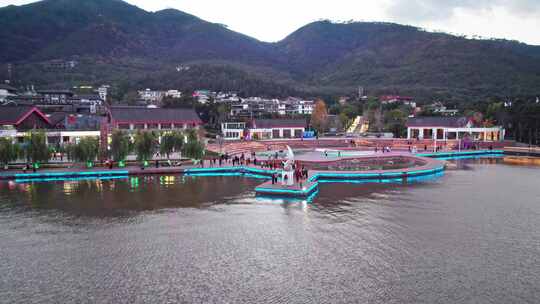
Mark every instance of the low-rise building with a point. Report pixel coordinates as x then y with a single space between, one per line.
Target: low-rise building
103 92
173 94
143 118
233 130
22 118
59 128
257 106
451 128
441 109
276 128
151 96
389 99
56 97
305 107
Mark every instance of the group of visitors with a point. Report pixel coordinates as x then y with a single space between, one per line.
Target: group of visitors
270 164
385 149
300 174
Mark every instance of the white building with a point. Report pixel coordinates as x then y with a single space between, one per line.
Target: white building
103 92
451 128
233 130
151 95
440 108
276 128
305 107
173 94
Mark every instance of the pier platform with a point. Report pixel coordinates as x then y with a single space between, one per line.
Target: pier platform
300 190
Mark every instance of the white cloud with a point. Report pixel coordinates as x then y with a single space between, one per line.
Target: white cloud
273 20
432 10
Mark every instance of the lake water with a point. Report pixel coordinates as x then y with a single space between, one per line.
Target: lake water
471 236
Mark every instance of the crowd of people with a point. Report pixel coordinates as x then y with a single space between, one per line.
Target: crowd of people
272 163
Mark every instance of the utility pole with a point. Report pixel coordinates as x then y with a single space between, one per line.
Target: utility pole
9 72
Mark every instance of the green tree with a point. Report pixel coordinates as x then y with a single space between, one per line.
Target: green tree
8 151
395 122
186 101
171 142
36 149
120 146
193 148
145 145
131 97
86 150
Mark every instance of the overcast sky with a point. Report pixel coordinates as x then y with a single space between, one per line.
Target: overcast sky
273 20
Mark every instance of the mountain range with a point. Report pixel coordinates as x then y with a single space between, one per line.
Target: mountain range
120 44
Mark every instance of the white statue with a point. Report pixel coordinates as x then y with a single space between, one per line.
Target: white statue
288 171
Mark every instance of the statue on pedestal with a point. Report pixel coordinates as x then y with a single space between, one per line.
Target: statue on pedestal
288 171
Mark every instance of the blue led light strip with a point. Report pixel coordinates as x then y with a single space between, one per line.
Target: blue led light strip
70 174
271 190
55 179
464 153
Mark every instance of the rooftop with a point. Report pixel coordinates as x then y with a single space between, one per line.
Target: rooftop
14 115
153 115
279 123
434 121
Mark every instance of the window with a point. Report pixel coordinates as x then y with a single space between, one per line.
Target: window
165 126
235 126
178 126
123 126
287 133
152 126
232 135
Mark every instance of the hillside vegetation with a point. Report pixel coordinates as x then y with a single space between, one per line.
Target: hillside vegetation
120 44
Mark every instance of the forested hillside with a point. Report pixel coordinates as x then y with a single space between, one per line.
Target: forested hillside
117 43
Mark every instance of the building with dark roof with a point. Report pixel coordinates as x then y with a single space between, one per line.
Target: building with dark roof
21 118
451 128
59 97
134 118
433 121
60 128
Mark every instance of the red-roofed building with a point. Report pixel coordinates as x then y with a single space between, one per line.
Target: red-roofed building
135 118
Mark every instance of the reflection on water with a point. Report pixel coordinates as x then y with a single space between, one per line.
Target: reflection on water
110 197
470 236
